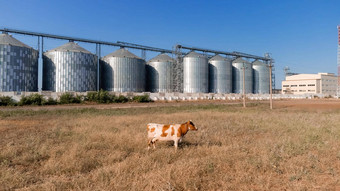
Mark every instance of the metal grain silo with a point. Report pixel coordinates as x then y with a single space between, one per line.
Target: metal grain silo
195 73
220 75
261 77
122 71
69 68
159 73
18 65
238 66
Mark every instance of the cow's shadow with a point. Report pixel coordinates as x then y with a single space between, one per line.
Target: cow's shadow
183 144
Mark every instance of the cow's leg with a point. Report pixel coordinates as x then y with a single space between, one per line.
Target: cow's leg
176 143
153 141
149 143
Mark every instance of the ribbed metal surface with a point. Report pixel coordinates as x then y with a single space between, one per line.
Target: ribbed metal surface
159 73
18 65
220 75
69 68
122 71
261 78
238 65
195 73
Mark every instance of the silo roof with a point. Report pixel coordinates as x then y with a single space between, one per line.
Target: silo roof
122 53
194 54
259 63
72 47
240 60
218 58
162 58
9 40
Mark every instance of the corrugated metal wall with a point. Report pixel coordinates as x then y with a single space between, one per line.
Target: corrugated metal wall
261 78
238 76
220 75
195 73
123 74
159 76
69 71
18 68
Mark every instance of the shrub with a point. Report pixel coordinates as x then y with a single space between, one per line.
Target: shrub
50 101
68 98
33 99
142 98
92 96
100 97
6 101
121 99
104 97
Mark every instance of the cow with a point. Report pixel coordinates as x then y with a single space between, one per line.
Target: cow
175 132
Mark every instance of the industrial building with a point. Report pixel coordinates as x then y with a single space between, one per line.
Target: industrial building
321 83
242 72
261 77
18 65
159 74
195 73
122 71
70 67
220 75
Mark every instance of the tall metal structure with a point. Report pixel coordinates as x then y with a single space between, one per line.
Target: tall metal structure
96 42
123 71
159 74
69 68
261 77
220 75
18 65
195 73
178 71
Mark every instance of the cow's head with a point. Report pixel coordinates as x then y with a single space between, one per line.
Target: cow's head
191 126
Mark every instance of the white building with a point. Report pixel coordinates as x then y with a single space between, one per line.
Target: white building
321 83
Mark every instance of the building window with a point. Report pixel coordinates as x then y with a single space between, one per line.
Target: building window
285 85
302 90
302 85
293 86
311 84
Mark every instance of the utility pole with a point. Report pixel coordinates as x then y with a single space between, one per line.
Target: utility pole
270 84
244 91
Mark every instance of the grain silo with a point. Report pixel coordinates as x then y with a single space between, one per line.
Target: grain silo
261 77
69 68
122 71
195 73
238 65
220 75
18 65
159 74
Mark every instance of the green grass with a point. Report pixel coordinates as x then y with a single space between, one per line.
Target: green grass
132 111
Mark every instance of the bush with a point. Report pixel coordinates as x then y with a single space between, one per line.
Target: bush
92 96
121 99
33 99
50 101
142 99
7 101
104 97
100 97
68 98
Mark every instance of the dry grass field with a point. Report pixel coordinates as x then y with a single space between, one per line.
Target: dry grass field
235 148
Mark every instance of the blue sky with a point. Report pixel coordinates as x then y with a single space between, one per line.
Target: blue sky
301 34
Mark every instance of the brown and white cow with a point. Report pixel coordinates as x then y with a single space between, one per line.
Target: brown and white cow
161 132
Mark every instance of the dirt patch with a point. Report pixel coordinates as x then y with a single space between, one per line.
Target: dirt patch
308 104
